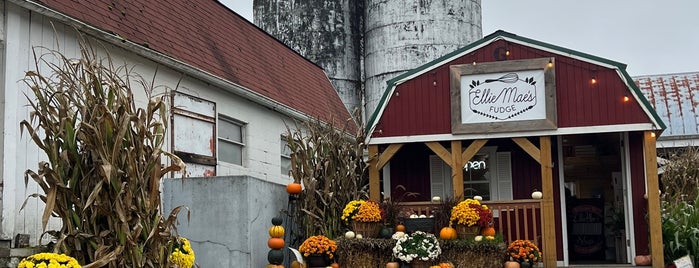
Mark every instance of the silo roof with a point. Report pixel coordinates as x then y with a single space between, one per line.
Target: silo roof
675 98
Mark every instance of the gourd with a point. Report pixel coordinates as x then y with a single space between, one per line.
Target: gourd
275 256
349 234
275 243
276 231
488 231
447 233
293 188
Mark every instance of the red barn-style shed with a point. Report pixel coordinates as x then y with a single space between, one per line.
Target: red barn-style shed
516 115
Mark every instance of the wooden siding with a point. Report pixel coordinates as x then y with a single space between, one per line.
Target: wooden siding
638 189
420 106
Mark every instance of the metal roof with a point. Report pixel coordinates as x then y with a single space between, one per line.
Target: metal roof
675 98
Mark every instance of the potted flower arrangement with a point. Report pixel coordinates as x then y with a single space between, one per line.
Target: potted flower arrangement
318 250
181 253
48 260
418 248
524 251
364 217
469 216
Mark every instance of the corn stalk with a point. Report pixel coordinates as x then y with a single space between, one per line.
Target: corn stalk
104 160
330 164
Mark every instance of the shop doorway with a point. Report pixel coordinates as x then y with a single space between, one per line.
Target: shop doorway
594 198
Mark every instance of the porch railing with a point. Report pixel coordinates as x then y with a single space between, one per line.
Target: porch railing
514 219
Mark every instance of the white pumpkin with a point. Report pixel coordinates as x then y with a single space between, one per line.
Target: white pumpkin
478 197
349 235
414 216
359 236
478 238
422 216
436 199
537 195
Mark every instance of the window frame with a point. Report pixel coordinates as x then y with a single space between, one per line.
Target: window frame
220 139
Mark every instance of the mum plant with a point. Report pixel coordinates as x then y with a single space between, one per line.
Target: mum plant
318 245
361 210
104 159
417 246
523 251
49 260
181 253
470 212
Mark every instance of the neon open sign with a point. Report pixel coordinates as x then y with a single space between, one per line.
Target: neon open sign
476 165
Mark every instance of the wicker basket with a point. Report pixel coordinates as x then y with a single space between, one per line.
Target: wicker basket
467 232
419 224
366 229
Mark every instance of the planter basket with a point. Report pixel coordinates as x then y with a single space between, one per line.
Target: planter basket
467 232
366 229
419 224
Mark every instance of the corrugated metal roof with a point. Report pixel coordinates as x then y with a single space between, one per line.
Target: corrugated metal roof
675 98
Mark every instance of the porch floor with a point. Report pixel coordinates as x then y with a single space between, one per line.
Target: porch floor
597 266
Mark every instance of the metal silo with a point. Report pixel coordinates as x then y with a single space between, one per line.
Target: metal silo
327 32
403 34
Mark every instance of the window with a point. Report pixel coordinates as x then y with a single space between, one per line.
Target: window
230 140
487 174
285 157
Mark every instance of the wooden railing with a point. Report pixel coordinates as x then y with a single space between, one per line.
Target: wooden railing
514 219
517 219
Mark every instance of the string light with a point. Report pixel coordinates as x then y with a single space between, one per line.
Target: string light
507 52
652 134
474 63
626 98
593 80
550 65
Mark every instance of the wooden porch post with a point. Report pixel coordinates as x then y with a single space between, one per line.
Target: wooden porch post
374 187
654 224
547 209
457 170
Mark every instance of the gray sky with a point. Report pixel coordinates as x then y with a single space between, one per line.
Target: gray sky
649 36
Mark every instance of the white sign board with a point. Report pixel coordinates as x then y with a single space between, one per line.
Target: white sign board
684 262
503 97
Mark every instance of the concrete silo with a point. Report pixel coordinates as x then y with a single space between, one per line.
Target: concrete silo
327 32
403 34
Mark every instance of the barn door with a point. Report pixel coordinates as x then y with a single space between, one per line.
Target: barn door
194 134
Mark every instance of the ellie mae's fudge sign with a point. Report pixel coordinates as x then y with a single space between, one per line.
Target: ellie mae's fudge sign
503 96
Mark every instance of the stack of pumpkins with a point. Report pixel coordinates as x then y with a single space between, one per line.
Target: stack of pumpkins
276 244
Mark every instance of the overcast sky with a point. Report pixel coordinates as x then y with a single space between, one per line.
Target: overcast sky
649 36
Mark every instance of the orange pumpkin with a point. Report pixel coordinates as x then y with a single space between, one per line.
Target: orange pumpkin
400 228
447 233
511 264
488 231
275 243
335 265
293 188
276 231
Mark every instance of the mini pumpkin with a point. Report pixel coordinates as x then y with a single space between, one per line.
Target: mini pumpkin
276 231
293 188
488 231
400 228
275 243
277 221
447 233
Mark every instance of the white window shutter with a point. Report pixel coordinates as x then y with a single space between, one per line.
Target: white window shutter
436 175
504 176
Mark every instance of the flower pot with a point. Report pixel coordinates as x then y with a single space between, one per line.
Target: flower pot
512 264
420 264
467 232
525 264
317 260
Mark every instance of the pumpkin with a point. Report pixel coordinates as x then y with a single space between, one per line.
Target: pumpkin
293 188
275 243
274 266
386 232
295 264
537 195
349 234
277 221
447 233
335 265
275 256
511 264
392 265
400 228
642 260
276 231
488 231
